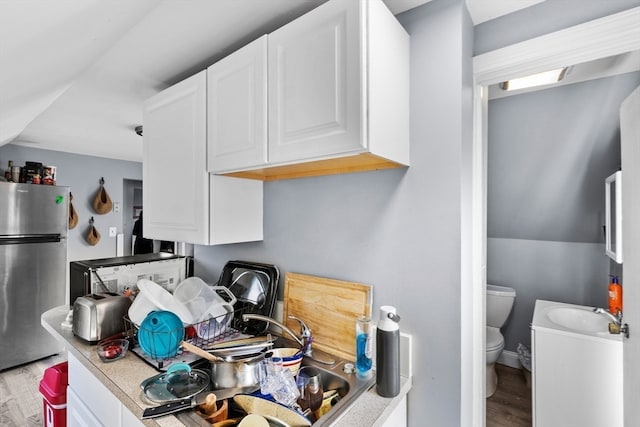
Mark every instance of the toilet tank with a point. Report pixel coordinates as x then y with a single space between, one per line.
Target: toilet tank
499 303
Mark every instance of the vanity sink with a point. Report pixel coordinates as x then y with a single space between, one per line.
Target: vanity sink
579 319
571 318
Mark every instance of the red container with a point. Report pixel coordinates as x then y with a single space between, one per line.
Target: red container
53 388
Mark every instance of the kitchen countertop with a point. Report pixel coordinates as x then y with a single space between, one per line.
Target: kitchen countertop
123 377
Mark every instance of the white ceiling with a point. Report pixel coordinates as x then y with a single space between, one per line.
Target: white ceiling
74 73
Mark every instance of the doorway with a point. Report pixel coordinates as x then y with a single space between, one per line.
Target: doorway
601 38
132 206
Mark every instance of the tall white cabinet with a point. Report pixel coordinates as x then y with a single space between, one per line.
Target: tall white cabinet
182 202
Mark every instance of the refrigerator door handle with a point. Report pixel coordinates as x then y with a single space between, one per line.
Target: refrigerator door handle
30 238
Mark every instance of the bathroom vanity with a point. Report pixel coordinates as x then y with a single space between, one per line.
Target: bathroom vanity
577 367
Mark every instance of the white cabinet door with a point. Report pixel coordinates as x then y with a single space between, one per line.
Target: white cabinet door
316 90
92 399
237 109
175 178
78 415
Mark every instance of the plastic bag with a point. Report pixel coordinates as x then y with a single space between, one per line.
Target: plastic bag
524 354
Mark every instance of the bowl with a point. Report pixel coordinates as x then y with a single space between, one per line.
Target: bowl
291 358
153 297
202 302
113 349
160 334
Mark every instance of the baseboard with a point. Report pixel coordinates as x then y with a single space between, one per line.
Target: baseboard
510 358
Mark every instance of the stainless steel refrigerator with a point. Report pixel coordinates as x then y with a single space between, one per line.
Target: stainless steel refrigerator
33 268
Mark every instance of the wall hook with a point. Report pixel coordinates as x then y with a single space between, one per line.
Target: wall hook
91 221
102 181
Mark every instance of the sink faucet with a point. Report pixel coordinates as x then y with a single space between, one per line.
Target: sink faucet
616 319
304 339
615 326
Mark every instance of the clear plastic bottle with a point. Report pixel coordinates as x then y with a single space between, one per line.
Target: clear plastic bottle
388 352
363 347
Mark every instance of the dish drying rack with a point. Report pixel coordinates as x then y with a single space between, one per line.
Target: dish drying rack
213 330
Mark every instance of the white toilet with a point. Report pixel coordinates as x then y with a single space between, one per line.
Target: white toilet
499 303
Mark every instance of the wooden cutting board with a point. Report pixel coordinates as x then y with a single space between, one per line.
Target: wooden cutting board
329 307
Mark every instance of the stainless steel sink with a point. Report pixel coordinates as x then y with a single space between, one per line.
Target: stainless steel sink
348 386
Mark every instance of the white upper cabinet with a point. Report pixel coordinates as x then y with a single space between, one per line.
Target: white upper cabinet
182 201
237 109
315 85
174 173
338 93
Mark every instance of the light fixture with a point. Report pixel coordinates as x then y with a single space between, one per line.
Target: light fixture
138 130
539 79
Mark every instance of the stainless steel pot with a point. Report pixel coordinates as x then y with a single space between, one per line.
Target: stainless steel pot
237 371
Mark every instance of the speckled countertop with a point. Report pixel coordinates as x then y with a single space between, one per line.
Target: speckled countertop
123 378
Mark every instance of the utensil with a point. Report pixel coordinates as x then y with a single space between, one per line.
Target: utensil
153 297
175 385
175 406
200 352
160 334
271 411
309 383
241 347
254 420
211 411
250 286
250 294
240 342
241 371
202 301
291 358
192 401
112 349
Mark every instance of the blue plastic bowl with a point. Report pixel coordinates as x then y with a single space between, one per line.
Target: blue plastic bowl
160 334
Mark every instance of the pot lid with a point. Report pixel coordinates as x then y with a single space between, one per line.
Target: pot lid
174 385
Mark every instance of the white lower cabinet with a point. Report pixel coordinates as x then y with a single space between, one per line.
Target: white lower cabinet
398 418
78 414
577 380
91 404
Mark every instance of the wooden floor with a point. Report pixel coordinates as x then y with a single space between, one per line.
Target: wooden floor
510 405
20 399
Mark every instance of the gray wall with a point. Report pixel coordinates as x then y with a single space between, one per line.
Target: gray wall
398 230
82 175
549 154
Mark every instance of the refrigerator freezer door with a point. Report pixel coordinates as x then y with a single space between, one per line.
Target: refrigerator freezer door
32 281
28 209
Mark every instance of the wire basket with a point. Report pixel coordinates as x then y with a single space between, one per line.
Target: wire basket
162 347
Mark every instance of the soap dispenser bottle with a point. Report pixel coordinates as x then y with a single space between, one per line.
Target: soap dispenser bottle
615 296
388 352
